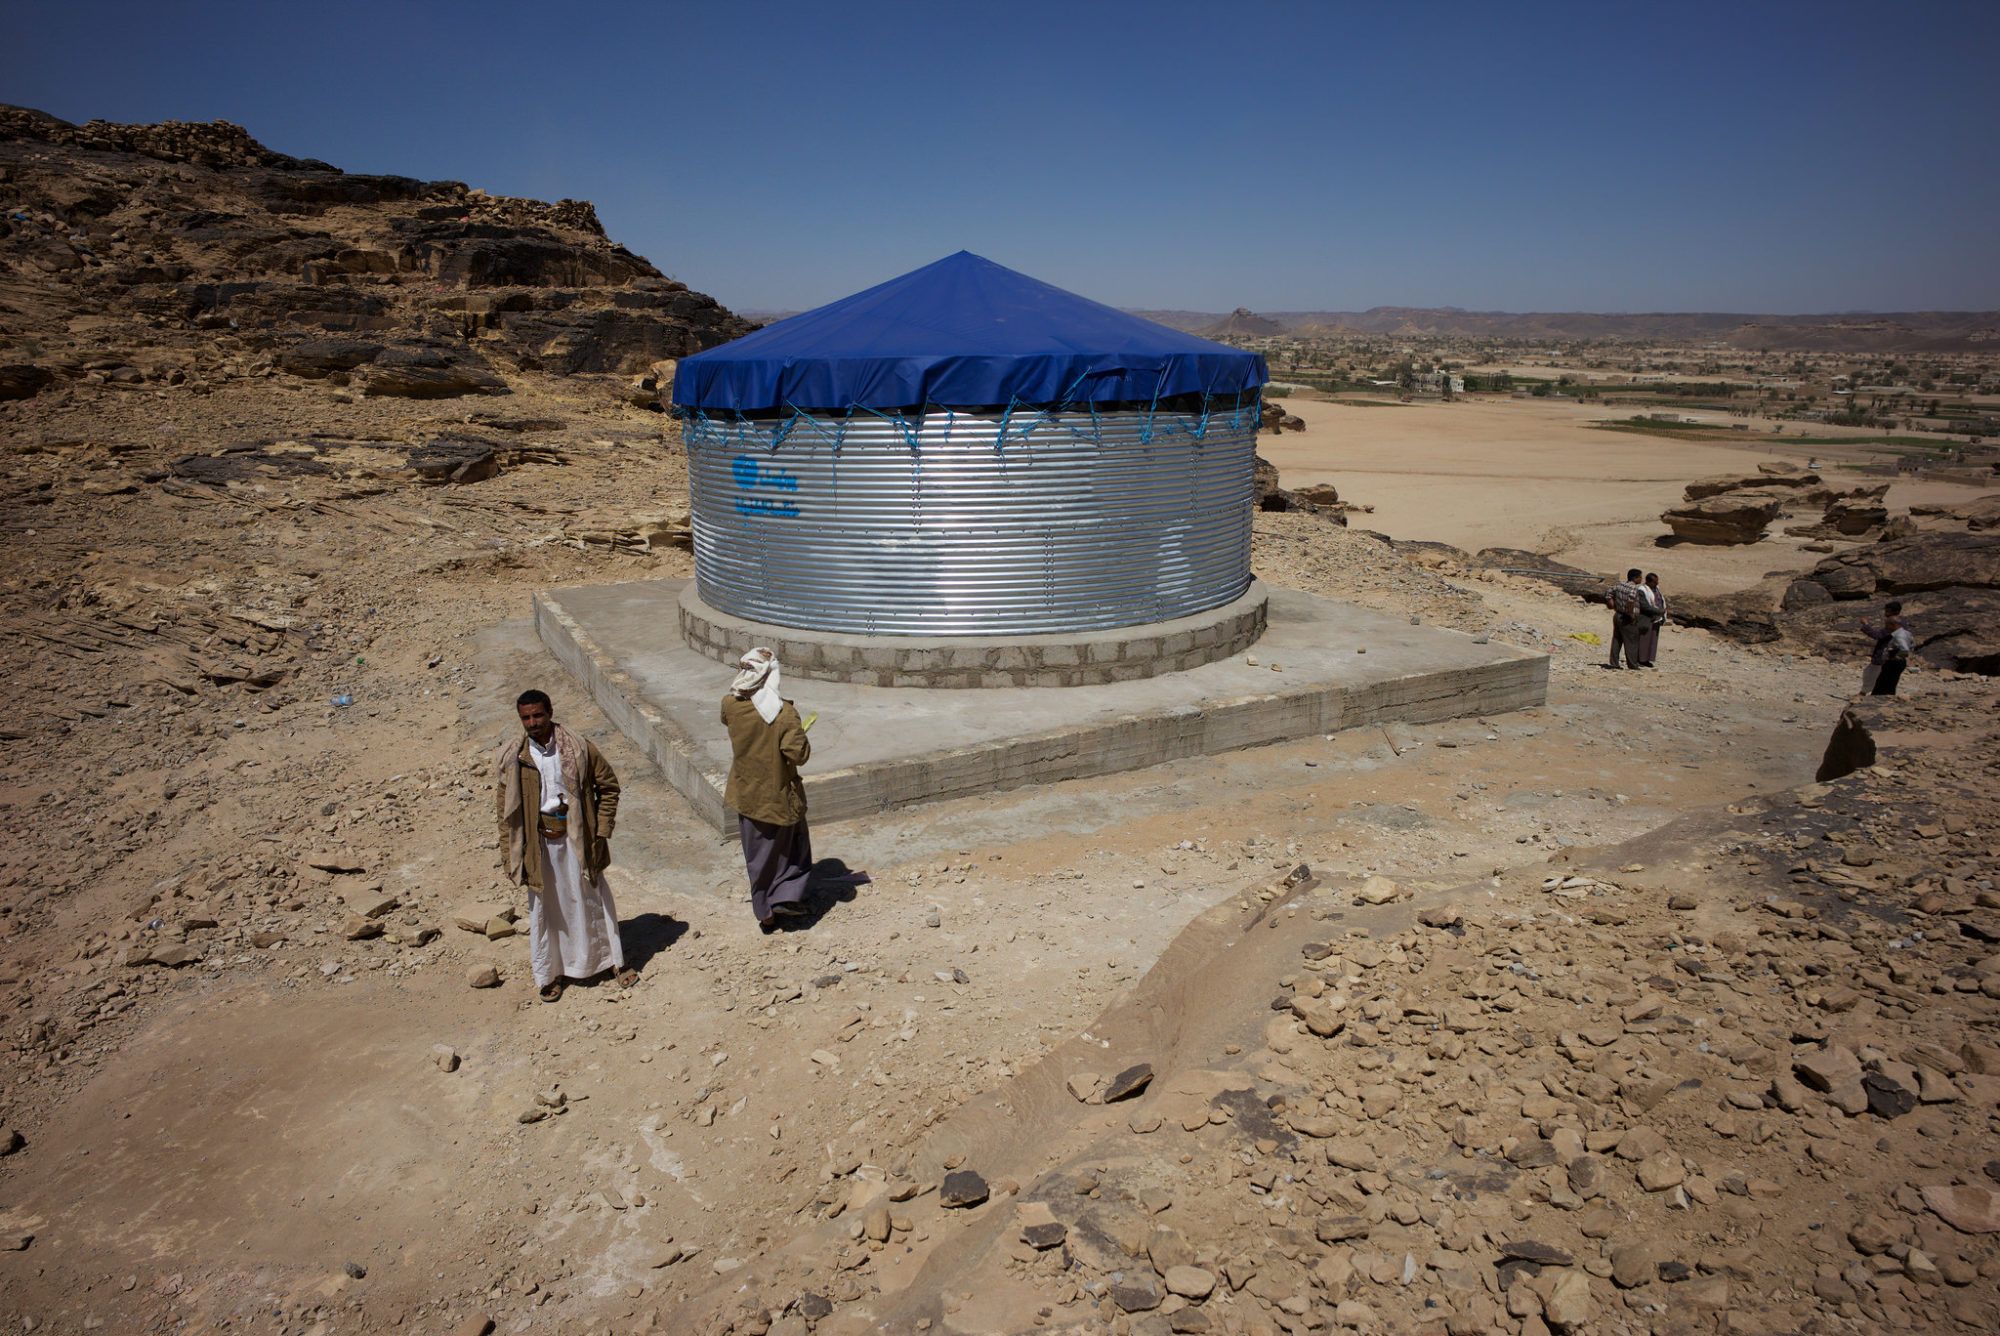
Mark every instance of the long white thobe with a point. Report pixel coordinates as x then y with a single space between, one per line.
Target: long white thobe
572 922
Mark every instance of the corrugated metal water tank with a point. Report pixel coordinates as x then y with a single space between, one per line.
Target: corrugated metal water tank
922 525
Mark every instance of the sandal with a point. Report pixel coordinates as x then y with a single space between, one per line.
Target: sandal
626 977
767 926
553 992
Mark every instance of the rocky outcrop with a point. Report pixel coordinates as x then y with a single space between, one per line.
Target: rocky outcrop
1980 513
197 232
1268 489
1957 627
1726 519
1275 418
1322 500
1743 482
1852 746
1852 516
1911 565
1854 513
1948 583
1589 586
1749 616
420 373
23 380
317 358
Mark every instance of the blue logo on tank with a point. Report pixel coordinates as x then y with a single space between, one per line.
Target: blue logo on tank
750 474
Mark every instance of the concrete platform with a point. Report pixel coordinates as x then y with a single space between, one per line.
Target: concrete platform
877 748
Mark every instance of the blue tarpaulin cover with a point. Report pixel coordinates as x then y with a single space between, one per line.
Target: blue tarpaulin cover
963 331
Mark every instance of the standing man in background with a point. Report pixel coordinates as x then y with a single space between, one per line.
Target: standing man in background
1893 646
1652 616
558 803
1626 602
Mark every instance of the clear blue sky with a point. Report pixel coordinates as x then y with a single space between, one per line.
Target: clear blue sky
1705 155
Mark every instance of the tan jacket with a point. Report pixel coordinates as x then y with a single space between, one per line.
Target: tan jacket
764 782
593 813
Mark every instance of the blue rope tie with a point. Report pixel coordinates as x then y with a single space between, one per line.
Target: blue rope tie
897 420
700 429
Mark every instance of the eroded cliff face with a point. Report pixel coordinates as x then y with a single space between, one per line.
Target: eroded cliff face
180 252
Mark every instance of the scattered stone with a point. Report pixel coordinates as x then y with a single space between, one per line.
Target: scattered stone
962 1187
371 901
1659 1172
1531 1250
1341 1228
1634 1264
1888 1097
483 976
1136 1296
1085 1086
478 917
445 1056
1128 1082
1190 1282
1639 1143
1570 1304
1835 1072
1873 1235
1968 1209
1378 891
1045 1236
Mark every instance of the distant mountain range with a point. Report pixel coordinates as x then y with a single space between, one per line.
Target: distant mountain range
1847 332
1871 331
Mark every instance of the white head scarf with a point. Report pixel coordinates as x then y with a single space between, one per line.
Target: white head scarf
758 683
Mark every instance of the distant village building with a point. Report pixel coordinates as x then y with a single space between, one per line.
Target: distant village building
1437 385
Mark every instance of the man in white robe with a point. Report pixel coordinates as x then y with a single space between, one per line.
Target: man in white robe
558 804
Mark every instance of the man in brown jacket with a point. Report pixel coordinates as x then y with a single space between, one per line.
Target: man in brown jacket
558 803
769 745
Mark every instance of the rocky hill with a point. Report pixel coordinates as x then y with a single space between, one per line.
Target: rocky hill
1242 322
186 254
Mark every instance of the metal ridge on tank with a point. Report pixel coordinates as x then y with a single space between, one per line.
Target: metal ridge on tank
968 451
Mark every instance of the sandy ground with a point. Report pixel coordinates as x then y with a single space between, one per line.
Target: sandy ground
208 1147
1532 474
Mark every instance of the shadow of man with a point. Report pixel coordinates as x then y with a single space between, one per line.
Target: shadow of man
831 883
646 935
